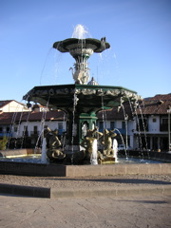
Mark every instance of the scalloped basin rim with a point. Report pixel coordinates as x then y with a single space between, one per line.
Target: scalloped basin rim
79 86
62 45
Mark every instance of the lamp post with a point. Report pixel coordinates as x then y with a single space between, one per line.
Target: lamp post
169 111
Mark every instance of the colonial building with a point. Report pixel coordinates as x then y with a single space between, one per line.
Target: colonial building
154 122
24 129
142 125
12 106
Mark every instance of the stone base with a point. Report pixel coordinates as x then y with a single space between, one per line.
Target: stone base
29 169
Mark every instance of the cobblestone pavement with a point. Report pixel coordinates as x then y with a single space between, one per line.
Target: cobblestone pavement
104 212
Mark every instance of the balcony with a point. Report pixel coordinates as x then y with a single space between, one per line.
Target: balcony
164 127
34 133
25 133
7 134
121 130
142 128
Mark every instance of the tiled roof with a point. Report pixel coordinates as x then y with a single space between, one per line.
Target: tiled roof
164 97
3 103
116 113
156 105
11 117
148 106
6 117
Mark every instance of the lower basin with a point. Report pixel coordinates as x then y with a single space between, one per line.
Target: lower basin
36 158
29 164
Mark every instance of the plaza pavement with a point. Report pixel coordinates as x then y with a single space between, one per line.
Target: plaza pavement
142 201
131 211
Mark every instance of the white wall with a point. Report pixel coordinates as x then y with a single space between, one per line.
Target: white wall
40 126
14 106
154 127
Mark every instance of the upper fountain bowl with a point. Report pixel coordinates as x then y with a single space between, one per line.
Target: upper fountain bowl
82 47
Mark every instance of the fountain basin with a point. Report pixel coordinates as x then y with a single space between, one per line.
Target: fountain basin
31 169
89 96
52 169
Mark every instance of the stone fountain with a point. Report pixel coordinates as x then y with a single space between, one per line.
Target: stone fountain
82 100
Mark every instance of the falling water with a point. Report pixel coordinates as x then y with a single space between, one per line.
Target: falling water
103 113
138 125
115 149
93 158
38 139
63 136
144 128
133 107
126 124
42 124
115 129
43 155
15 119
27 120
75 101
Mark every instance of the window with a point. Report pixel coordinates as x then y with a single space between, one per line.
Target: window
112 125
60 125
154 120
101 126
7 129
164 121
123 125
35 129
25 128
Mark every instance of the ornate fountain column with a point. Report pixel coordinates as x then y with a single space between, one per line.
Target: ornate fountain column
81 50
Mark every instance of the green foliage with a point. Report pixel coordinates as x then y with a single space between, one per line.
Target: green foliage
3 143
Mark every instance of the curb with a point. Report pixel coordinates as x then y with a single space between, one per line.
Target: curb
40 192
114 192
28 191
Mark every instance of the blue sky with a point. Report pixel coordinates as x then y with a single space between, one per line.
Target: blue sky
139 32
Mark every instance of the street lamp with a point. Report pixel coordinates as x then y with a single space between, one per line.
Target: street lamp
169 111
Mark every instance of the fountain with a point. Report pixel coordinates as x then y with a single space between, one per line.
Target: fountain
81 102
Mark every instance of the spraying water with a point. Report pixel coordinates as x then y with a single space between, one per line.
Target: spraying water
122 141
80 32
93 158
75 101
44 156
115 149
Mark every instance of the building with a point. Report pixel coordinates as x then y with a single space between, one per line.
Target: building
154 122
141 125
12 106
24 129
